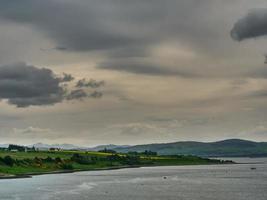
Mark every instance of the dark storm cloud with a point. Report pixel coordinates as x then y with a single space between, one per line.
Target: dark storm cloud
24 85
137 67
89 83
253 25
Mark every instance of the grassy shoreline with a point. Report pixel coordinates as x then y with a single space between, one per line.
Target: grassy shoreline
30 175
28 164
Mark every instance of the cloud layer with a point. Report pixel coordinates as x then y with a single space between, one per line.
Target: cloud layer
118 29
172 59
79 26
146 68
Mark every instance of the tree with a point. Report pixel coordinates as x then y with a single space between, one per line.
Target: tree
107 151
8 160
58 160
16 147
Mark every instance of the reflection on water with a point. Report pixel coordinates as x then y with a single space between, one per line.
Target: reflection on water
221 182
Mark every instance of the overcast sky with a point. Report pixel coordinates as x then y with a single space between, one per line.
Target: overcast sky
92 72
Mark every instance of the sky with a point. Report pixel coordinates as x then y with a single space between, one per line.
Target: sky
92 72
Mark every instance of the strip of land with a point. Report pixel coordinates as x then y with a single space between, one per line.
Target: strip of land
26 164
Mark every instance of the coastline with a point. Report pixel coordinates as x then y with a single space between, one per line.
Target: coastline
30 175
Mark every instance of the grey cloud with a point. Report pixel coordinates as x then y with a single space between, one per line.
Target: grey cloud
129 52
66 78
77 94
138 67
258 73
54 48
81 94
75 26
96 94
91 83
61 48
125 27
121 28
239 82
36 101
25 85
258 93
253 25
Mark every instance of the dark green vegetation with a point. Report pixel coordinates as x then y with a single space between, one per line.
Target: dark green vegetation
226 148
38 162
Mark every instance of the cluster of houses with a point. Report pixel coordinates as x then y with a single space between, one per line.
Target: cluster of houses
19 148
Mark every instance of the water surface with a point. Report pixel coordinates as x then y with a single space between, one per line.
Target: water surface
220 182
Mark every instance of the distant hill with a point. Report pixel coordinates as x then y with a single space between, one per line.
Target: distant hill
43 146
61 146
109 146
3 145
225 148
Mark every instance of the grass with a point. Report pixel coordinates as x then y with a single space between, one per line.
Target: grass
24 163
44 154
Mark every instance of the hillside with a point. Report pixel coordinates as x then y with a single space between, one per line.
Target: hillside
225 148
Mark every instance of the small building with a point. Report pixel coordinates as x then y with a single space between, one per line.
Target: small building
54 149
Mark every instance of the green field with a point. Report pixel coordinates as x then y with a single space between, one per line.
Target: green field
39 162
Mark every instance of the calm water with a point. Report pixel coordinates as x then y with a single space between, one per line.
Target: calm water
224 182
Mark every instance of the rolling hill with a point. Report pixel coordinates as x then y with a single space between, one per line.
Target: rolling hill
225 148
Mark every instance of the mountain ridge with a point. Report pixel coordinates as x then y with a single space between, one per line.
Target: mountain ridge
222 148
226 148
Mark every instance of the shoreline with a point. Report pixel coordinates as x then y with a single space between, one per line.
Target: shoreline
30 175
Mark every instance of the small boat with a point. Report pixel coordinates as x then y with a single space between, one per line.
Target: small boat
253 168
